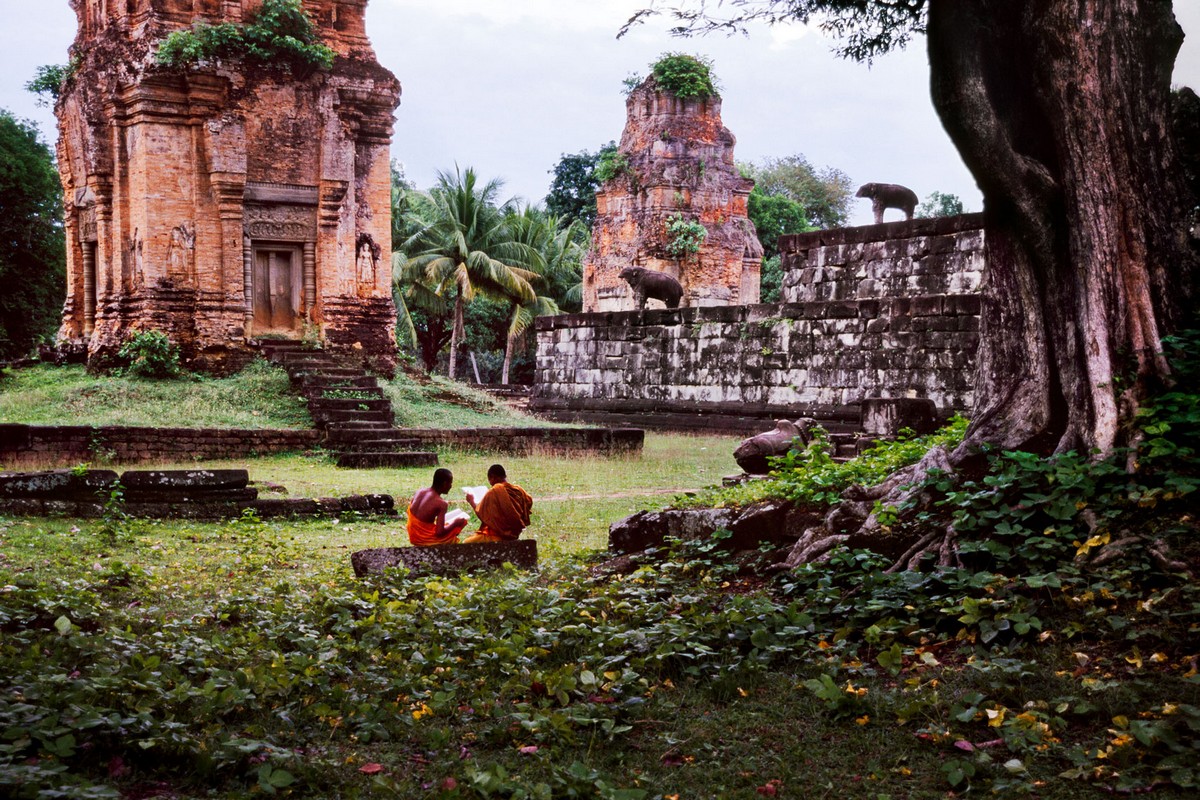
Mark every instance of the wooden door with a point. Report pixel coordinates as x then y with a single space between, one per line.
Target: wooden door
276 290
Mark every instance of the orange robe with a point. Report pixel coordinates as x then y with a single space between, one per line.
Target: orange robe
504 512
424 534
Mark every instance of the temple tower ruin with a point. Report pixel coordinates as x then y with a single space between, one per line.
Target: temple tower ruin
228 201
675 161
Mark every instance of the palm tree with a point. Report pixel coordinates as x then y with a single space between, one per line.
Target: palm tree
465 247
560 272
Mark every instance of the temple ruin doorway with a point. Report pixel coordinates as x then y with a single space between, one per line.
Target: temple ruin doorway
277 289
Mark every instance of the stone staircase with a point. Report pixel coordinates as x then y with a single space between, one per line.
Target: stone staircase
348 404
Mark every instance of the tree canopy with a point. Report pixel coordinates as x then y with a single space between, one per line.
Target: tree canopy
32 250
572 193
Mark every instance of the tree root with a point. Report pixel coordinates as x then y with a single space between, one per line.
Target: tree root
853 520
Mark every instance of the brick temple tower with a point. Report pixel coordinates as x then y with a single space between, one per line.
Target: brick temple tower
675 161
228 201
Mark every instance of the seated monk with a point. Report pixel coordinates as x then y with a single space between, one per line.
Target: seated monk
503 512
427 514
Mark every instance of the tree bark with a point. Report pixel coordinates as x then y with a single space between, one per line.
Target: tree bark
1061 110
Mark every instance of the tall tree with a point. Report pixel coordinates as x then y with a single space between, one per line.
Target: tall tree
465 247
32 249
775 215
940 204
1061 111
823 194
559 271
573 191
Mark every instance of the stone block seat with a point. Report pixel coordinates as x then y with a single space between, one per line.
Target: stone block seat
348 404
451 559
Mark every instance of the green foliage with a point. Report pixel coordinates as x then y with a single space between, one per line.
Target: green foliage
150 354
279 33
771 280
572 193
940 205
685 236
32 247
49 79
775 215
685 76
611 164
824 195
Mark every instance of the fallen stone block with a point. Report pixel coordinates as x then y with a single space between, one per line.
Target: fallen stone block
450 559
188 496
56 484
190 479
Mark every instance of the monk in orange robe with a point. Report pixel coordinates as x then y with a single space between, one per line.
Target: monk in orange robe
503 512
427 514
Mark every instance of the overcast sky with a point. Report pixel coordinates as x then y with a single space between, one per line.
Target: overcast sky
508 86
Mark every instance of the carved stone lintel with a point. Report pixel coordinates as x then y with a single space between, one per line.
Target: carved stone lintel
283 223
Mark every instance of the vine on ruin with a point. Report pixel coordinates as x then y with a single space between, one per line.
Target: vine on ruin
685 76
280 33
688 236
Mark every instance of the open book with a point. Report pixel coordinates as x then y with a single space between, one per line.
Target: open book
475 493
455 515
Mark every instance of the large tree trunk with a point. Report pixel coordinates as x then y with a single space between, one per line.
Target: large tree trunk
1061 110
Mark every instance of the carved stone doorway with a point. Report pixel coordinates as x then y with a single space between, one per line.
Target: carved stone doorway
278 285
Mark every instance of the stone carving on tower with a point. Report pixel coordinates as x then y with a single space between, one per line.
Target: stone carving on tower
225 201
675 162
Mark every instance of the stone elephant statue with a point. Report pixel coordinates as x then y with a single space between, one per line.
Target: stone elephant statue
889 195
650 284
752 454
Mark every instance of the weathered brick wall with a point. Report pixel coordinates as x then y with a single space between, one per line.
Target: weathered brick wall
44 445
940 256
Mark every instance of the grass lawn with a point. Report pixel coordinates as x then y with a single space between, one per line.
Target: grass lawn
256 398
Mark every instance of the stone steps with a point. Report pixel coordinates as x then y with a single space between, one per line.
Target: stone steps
358 429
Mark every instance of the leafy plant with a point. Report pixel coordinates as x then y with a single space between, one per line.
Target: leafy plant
150 354
279 33
687 236
612 163
685 76
49 79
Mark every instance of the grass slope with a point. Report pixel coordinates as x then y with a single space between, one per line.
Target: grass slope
258 397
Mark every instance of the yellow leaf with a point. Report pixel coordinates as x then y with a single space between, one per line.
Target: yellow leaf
743 692
863 720
1121 721
995 717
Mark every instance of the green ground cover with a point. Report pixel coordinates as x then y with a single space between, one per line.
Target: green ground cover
1057 657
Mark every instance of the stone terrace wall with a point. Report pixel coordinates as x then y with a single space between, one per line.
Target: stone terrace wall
43 445
887 310
940 256
522 441
49 445
786 360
